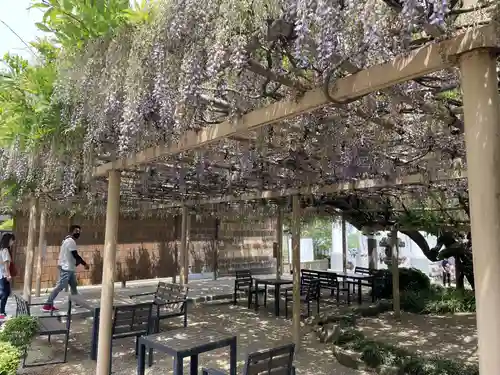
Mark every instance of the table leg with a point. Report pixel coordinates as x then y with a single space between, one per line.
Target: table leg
141 359
95 335
373 289
232 358
193 365
178 365
277 300
256 295
359 292
348 291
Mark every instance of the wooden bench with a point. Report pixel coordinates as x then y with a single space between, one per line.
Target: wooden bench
48 326
169 300
327 280
244 283
133 321
276 361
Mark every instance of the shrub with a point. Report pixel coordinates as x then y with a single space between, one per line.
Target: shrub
10 357
451 300
375 354
410 279
19 331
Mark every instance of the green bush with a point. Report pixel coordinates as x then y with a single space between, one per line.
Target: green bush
10 357
410 279
438 300
375 354
19 331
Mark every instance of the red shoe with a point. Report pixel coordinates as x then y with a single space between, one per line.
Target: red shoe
3 316
49 308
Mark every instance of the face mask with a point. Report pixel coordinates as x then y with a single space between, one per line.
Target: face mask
76 235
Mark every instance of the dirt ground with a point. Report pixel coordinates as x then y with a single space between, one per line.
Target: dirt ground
254 331
449 336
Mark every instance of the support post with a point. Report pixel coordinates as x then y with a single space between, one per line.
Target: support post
344 244
216 247
30 250
279 242
108 274
396 300
183 272
372 250
296 270
39 254
482 139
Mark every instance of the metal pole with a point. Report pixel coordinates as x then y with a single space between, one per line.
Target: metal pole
482 139
30 250
39 254
108 274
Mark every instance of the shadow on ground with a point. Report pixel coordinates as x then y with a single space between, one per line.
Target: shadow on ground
255 331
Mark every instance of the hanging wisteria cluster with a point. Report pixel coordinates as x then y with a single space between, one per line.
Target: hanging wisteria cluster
201 62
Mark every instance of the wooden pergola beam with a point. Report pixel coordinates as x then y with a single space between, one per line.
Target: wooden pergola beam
365 184
417 63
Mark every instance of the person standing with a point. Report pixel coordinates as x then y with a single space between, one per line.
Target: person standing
6 244
445 264
69 259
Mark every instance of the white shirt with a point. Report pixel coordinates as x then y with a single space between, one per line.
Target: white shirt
4 257
66 260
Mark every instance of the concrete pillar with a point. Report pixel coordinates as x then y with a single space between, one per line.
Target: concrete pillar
184 256
296 270
108 274
396 299
344 244
30 249
482 138
372 250
279 242
39 254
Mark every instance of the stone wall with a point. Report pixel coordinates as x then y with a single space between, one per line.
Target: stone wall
148 248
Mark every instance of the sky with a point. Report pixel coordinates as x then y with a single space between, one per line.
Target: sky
22 21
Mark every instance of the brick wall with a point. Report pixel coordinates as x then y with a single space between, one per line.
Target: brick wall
148 248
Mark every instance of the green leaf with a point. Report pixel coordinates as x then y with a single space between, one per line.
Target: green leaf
39 6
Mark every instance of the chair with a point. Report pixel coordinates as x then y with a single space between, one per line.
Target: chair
131 321
308 293
244 283
275 361
48 326
169 300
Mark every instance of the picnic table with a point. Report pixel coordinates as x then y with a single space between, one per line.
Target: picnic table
186 342
357 279
277 283
92 302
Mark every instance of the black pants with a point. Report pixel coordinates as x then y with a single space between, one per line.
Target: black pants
446 278
4 294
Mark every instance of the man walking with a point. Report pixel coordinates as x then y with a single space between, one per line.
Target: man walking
69 259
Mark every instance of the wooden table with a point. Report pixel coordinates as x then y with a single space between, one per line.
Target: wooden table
277 283
357 279
187 342
92 302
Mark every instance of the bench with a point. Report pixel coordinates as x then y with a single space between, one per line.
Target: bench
132 321
48 326
327 280
276 361
169 300
244 283
309 292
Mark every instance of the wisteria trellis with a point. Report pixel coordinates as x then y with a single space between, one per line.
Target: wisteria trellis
201 62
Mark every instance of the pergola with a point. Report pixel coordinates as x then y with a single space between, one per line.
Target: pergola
474 52
141 176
